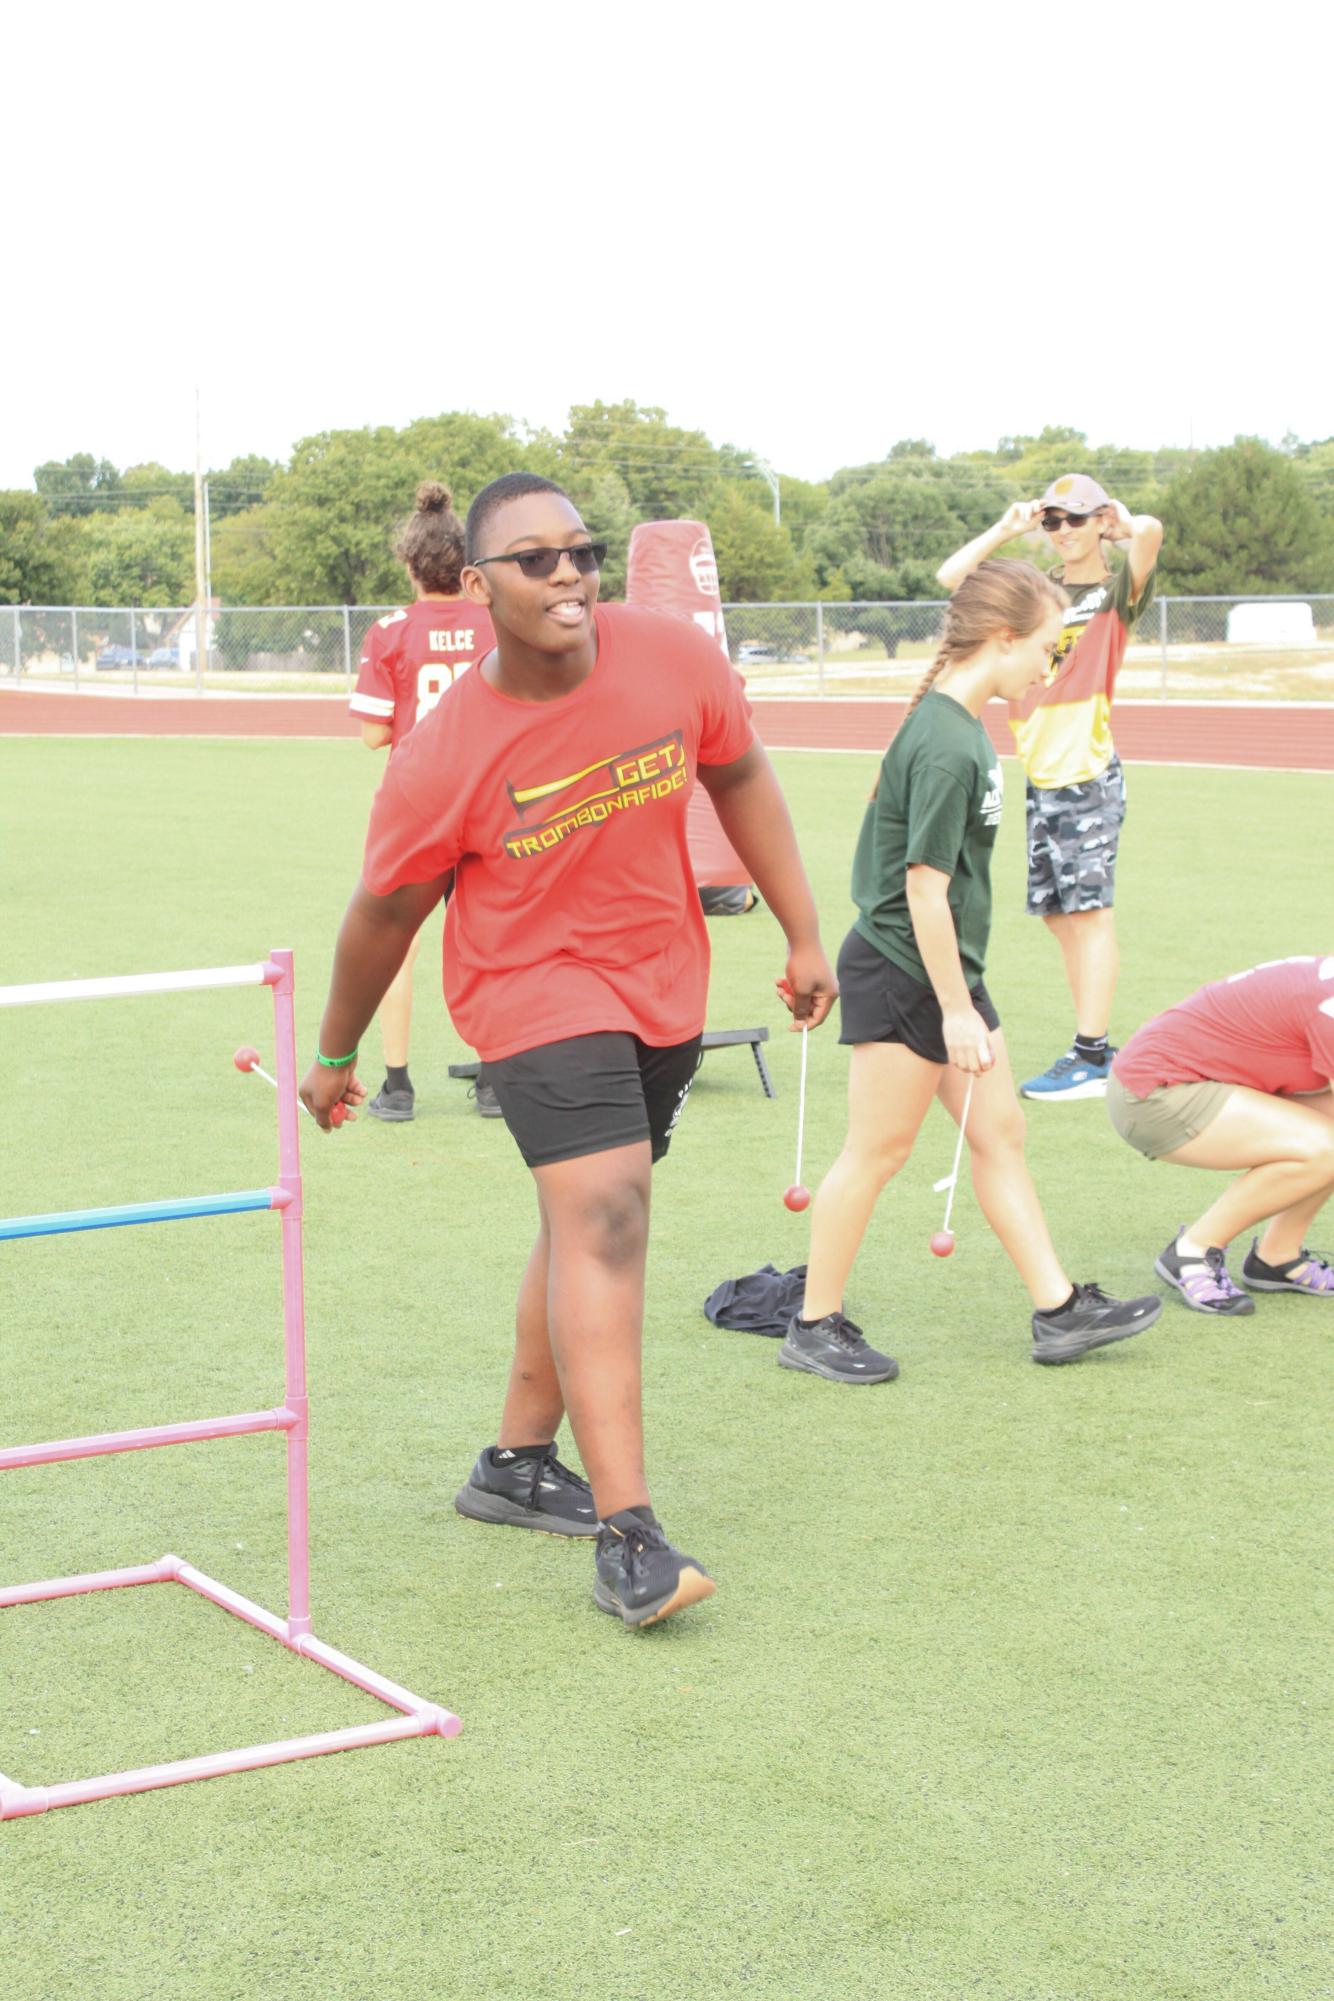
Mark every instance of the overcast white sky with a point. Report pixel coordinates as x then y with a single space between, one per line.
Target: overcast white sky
808 231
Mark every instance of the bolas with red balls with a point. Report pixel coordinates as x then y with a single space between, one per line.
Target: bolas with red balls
942 1243
247 1061
797 1197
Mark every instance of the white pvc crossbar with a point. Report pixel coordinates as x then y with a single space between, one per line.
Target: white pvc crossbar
138 983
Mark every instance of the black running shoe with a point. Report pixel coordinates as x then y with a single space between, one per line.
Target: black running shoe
1091 1322
639 1576
528 1493
392 1105
488 1104
835 1348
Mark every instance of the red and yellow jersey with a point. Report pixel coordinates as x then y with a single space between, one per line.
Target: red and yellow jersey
411 657
1063 727
574 908
1271 1029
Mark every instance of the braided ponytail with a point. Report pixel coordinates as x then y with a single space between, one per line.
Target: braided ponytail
1002 594
937 667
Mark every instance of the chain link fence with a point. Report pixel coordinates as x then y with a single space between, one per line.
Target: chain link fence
1223 648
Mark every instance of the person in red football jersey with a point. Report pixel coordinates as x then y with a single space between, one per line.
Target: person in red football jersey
550 787
408 660
1238 1077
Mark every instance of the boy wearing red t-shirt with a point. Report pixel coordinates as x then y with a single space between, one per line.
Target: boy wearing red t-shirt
408 660
1238 1076
551 785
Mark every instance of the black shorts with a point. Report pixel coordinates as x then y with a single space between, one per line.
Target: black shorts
879 1002
591 1093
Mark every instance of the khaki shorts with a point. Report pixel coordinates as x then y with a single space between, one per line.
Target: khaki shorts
1168 1118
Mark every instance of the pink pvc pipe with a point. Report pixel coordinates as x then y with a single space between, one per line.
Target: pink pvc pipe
420 1718
312 1649
443 1721
163 1572
17 1801
153 1434
294 1302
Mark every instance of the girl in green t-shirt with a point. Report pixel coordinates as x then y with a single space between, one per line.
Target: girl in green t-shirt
914 1007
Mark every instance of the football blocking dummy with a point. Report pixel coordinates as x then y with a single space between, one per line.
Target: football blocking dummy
672 569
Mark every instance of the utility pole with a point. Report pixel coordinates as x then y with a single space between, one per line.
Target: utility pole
201 561
770 477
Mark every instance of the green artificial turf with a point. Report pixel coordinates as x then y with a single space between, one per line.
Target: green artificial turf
1015 1685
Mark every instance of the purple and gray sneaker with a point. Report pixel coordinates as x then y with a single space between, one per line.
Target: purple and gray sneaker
1203 1283
1306 1273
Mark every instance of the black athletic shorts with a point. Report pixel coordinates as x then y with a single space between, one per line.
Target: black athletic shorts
879 1002
591 1093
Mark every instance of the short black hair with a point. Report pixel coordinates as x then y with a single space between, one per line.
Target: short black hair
510 486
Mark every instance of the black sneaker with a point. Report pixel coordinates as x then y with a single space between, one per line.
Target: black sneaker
1091 1322
393 1105
488 1104
534 1492
639 1575
835 1348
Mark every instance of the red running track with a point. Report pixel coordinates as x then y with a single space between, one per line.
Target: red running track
1272 737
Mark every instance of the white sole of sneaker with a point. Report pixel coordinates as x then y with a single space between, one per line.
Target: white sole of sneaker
1095 1088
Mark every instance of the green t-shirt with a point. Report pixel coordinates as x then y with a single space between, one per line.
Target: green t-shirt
938 801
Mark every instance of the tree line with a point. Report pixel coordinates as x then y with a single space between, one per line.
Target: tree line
1244 518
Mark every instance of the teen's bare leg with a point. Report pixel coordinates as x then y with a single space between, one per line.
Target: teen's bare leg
580 1321
534 1405
1286 1147
1001 1180
395 1012
889 1091
1087 939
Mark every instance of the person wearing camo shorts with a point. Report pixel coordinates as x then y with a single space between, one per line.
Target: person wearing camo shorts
1062 730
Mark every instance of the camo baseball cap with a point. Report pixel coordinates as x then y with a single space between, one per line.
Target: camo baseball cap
1076 493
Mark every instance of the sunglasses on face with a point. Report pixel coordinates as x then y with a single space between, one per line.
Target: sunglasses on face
1054 519
586 557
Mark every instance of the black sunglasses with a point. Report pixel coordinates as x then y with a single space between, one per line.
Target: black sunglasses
586 557
1054 519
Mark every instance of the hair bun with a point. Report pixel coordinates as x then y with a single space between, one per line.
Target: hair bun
433 498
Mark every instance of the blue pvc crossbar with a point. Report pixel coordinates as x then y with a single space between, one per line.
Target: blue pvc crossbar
135 1212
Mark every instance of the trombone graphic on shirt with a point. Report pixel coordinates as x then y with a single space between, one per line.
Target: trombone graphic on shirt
994 798
631 778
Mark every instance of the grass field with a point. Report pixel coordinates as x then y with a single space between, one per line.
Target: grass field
1016 1684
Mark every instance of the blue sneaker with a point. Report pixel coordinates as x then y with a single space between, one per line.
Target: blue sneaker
1071 1076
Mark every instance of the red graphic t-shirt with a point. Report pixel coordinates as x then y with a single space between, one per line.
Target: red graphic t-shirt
574 908
1271 1029
411 657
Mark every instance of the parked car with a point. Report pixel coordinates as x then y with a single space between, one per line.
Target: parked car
165 656
119 656
755 650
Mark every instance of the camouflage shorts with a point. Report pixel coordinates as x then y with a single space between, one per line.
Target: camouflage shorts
1073 832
